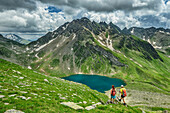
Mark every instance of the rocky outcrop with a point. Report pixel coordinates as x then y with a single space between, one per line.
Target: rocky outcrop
13 111
77 107
72 105
2 96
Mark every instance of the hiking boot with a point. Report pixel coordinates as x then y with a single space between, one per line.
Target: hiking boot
124 103
120 100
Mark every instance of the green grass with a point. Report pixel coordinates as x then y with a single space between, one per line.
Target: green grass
153 109
97 63
46 96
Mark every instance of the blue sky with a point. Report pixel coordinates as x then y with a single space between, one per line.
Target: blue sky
42 16
53 9
166 1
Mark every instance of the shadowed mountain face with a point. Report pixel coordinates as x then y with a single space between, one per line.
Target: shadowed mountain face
85 46
158 37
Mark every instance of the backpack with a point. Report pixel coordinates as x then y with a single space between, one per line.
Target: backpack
124 92
113 92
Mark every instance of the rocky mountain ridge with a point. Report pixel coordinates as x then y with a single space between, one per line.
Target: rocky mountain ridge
158 37
74 44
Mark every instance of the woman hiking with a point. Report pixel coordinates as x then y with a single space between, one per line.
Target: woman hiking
123 94
113 94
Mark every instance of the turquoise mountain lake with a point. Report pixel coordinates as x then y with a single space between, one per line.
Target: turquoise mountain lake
96 82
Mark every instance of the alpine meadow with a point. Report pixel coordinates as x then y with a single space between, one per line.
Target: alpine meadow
84 39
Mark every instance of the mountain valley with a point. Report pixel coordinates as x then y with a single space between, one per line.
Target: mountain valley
139 56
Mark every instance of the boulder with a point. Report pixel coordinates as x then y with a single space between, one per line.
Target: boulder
84 102
13 111
64 98
21 77
6 103
23 92
72 105
22 97
2 96
12 95
90 107
45 80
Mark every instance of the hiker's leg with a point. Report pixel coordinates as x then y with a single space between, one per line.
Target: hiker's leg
123 100
113 100
120 98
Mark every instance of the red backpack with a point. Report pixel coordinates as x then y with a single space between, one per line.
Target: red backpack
124 93
113 92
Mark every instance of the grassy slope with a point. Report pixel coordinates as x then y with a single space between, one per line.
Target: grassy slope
45 97
152 73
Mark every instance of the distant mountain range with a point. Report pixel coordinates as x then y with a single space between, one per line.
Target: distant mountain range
97 37
17 38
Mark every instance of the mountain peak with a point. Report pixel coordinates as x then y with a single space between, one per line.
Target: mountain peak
84 18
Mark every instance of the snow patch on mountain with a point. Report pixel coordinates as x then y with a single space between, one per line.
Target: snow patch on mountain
154 43
161 31
101 43
42 46
157 47
149 41
74 36
132 31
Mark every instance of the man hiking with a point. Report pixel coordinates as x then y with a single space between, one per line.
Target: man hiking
123 94
113 93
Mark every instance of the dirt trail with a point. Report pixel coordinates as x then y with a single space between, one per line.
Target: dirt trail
145 98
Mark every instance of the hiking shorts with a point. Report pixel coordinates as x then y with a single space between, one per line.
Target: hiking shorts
113 96
122 96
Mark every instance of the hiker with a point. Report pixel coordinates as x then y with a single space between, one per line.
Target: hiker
113 93
123 94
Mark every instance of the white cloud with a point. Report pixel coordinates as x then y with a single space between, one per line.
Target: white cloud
124 13
118 17
38 20
138 3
